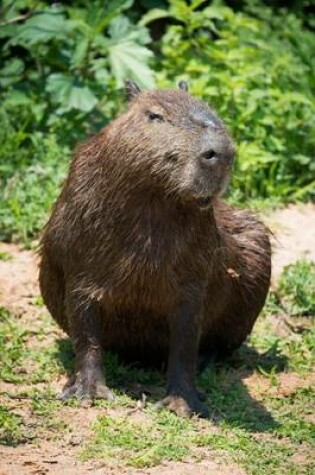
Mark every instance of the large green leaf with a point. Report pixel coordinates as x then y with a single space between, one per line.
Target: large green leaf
59 86
80 52
121 29
153 15
127 55
81 98
11 72
41 28
99 18
127 59
70 96
17 98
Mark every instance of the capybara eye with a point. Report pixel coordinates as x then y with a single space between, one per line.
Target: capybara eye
209 155
155 117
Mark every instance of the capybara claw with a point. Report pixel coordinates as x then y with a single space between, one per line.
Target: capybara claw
86 392
183 407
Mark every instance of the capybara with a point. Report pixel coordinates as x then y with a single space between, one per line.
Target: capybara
140 256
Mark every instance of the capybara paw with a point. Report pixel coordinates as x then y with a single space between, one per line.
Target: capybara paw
87 392
184 407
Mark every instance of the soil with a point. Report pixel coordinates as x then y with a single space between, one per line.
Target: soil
294 238
293 235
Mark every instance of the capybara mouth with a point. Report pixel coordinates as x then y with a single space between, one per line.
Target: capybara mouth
204 202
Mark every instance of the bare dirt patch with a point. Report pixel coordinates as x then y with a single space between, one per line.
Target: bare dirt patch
287 384
18 279
294 235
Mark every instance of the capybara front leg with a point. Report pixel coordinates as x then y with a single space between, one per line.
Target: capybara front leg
182 395
86 330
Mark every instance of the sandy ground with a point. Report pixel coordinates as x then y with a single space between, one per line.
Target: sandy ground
294 238
294 235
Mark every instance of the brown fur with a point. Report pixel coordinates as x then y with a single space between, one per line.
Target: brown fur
137 259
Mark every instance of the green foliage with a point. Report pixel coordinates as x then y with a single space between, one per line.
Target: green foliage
32 167
297 288
62 66
10 433
256 68
59 66
72 56
11 347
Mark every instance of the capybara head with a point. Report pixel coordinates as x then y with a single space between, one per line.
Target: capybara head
175 142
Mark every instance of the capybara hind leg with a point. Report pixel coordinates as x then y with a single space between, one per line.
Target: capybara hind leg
52 286
231 327
235 303
85 322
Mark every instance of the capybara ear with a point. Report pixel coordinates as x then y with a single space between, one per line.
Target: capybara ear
183 85
131 88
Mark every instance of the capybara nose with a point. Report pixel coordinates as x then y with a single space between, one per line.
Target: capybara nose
217 153
209 158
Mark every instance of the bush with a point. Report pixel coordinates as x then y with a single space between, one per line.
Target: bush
60 71
62 66
256 68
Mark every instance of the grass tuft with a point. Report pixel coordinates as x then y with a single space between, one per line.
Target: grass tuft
297 288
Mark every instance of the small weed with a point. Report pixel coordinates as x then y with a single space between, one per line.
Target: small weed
5 256
39 302
10 427
297 288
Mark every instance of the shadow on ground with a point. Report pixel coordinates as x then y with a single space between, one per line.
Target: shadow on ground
229 397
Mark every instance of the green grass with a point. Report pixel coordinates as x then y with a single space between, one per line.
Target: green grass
260 420
262 448
19 362
5 256
10 427
297 288
29 186
26 360
167 437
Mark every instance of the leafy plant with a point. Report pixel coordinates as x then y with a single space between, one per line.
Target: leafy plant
297 289
59 65
10 427
73 55
256 68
